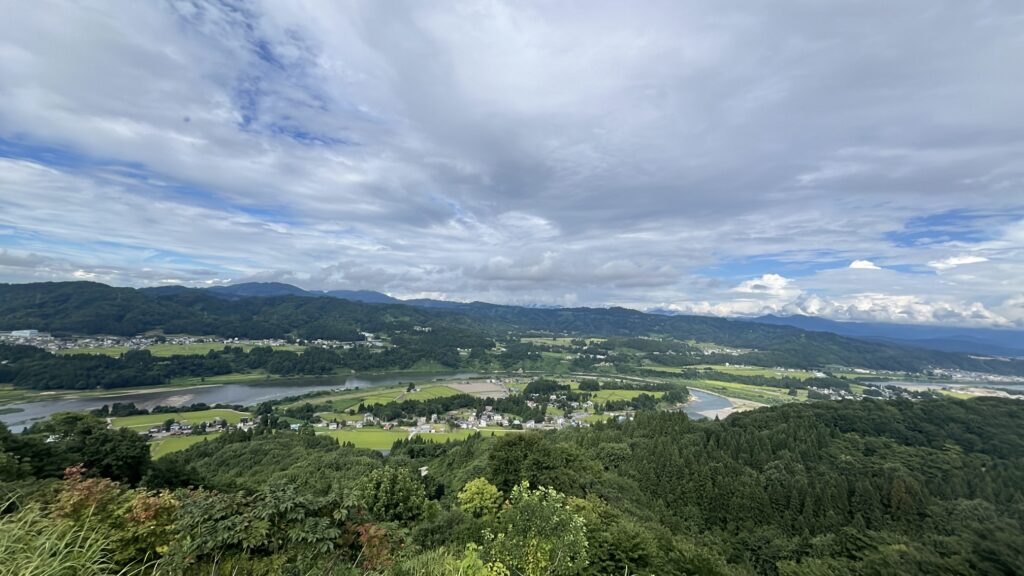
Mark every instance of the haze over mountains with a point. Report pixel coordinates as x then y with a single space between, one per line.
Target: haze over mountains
947 338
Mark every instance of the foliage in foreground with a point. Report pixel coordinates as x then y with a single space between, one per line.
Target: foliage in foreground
844 488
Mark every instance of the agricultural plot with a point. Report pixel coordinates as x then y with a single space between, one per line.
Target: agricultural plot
146 421
606 395
339 416
428 393
480 389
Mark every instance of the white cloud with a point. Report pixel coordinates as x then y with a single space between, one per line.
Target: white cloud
484 151
954 261
774 294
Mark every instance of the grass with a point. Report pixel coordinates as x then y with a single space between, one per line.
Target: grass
960 395
372 438
11 395
165 446
147 421
739 370
342 401
233 378
340 416
430 392
606 395
33 543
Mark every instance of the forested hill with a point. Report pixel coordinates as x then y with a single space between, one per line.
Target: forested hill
827 488
92 308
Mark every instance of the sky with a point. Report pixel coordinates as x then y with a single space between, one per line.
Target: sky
848 159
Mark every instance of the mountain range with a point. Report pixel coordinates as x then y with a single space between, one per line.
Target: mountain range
93 308
987 341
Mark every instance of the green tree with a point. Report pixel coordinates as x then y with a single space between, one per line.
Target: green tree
537 534
391 494
479 498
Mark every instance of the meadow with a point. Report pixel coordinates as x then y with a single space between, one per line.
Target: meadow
372 438
146 421
165 446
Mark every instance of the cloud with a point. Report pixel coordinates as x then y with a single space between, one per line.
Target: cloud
483 150
954 261
864 265
773 294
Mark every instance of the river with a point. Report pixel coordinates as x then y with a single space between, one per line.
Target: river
246 394
702 402
250 393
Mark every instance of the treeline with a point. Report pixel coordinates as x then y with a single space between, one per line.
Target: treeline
120 409
406 409
30 367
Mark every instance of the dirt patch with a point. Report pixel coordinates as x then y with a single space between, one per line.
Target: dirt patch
481 389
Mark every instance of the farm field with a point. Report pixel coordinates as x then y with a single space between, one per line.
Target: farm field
165 446
739 370
340 416
606 395
430 392
146 421
479 389
343 401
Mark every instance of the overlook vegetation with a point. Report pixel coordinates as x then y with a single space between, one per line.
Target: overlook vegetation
851 487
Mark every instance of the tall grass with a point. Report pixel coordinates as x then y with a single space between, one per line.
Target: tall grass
33 544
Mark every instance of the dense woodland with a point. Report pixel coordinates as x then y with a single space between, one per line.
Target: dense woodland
851 487
91 308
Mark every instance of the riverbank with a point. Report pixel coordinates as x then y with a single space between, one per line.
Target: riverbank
736 405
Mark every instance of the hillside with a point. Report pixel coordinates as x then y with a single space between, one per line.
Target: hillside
91 308
829 488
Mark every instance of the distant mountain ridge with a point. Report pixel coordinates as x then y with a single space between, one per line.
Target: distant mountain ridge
942 338
272 289
988 341
93 308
